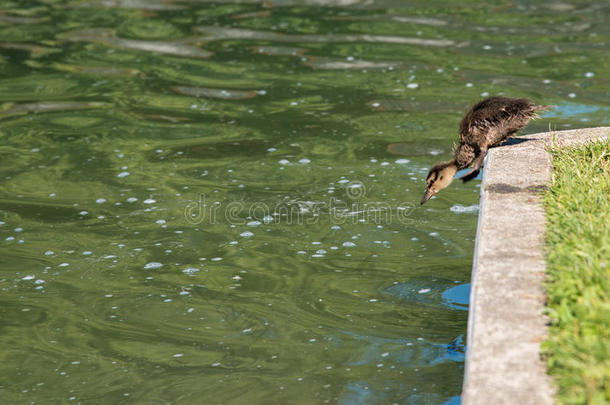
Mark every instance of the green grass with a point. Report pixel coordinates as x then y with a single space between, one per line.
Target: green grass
578 275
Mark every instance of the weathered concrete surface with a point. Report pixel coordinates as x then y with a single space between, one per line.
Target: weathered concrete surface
505 322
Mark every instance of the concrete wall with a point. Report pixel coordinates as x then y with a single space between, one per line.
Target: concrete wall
506 323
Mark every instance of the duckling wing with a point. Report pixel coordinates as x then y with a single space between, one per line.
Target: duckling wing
491 121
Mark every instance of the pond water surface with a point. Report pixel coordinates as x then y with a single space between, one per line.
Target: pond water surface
218 202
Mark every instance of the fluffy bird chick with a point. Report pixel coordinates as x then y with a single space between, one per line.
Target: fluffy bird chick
487 124
439 177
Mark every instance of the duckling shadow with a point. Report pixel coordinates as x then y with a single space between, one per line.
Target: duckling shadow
515 141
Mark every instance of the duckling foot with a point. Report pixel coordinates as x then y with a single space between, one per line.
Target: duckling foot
470 175
474 172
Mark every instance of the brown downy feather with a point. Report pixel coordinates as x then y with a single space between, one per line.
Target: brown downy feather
490 122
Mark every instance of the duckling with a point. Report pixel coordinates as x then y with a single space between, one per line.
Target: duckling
488 123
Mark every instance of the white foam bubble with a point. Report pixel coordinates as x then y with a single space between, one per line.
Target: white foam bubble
460 209
191 271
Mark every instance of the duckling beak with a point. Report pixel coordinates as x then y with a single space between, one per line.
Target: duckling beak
429 193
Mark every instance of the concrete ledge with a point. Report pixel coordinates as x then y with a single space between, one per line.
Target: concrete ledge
505 321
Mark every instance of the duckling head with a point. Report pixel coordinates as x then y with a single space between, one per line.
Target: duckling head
439 177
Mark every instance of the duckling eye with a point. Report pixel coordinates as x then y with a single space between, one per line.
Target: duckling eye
441 177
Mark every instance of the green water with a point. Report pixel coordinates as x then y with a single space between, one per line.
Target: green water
217 202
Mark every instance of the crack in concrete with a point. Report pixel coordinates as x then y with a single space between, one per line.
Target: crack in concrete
503 188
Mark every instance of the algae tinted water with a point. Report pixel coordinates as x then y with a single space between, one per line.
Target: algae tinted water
217 202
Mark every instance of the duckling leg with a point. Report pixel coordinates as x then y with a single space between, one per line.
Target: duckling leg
474 172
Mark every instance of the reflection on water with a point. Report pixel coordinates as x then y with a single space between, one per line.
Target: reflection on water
165 47
215 93
213 33
206 201
18 109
